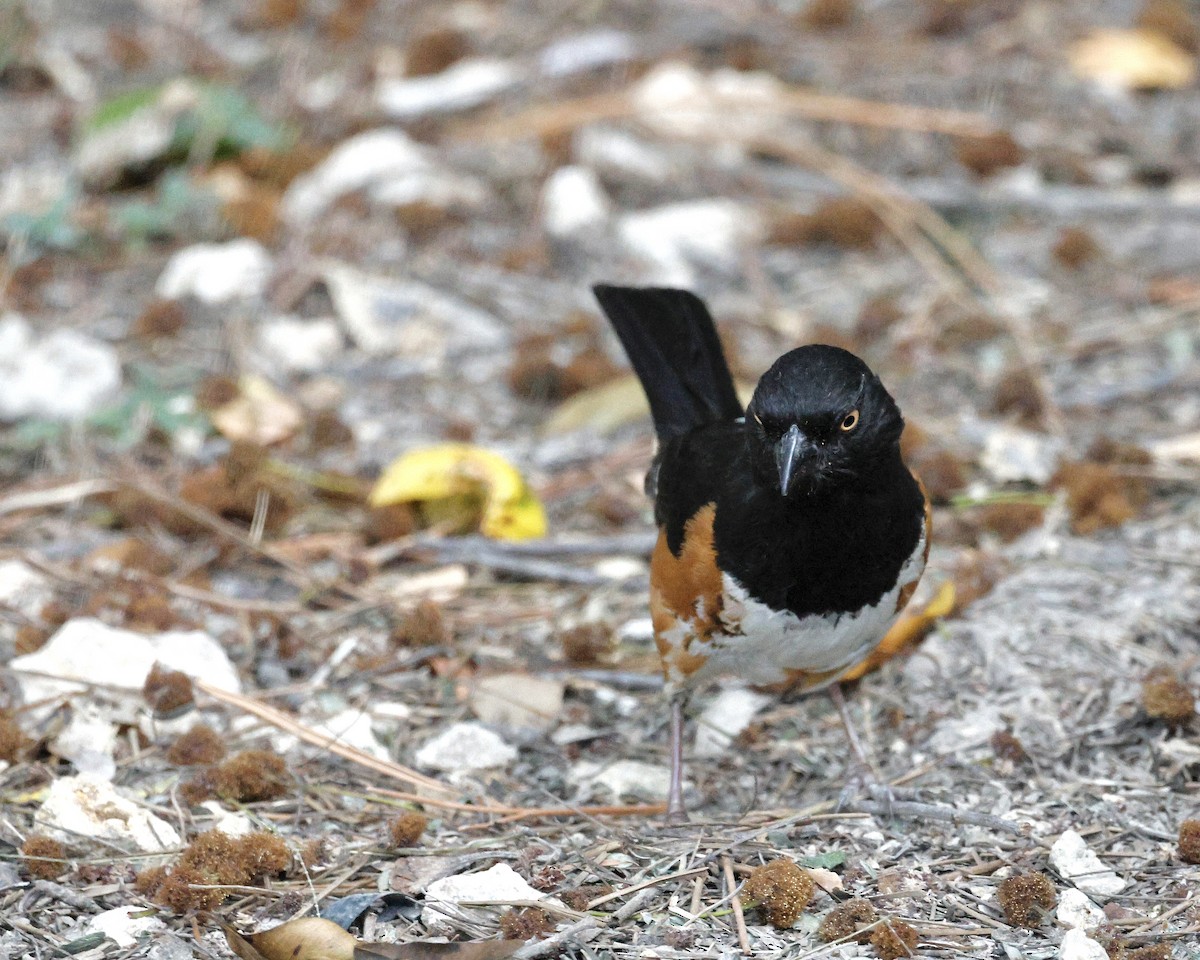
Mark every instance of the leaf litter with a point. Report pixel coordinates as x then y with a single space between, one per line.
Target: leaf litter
1034 718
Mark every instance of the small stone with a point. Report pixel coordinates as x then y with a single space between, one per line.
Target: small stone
463 747
389 316
518 700
353 728
23 588
621 154
466 84
1071 857
389 165
216 272
573 201
624 778
585 51
729 713
677 239
122 927
86 806
87 741
1077 945
65 375
499 883
86 650
1075 910
1012 455
292 345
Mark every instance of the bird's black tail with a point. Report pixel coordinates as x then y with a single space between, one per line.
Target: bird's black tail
672 343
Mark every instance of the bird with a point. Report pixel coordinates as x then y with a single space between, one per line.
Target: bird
791 533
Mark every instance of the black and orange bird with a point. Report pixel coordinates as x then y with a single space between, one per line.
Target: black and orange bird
791 534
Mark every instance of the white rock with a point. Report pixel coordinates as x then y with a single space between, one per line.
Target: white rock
135 141
955 734
585 51
624 778
573 201
85 806
91 651
676 99
677 238
640 630
726 716
1077 945
390 166
518 700
121 927
354 164
1011 454
1076 910
233 824
407 317
65 375
88 741
620 153
32 189
217 272
466 746
620 568
23 588
292 345
466 84
1071 857
573 733
353 727
500 883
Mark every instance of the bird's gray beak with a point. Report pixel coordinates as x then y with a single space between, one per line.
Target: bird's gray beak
790 450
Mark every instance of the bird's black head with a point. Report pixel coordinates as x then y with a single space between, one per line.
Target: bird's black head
820 419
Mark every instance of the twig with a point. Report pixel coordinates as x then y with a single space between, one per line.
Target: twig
550 119
496 556
214 523
652 882
735 901
279 719
553 943
511 814
633 906
56 891
54 496
912 810
1173 912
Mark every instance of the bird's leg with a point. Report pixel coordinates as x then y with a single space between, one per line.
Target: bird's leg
676 812
861 778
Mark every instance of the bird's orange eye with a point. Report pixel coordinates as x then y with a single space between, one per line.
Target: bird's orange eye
850 421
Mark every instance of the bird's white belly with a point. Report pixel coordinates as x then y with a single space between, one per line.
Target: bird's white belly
763 645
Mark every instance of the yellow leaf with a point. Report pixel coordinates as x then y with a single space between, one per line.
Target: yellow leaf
1132 60
906 631
459 485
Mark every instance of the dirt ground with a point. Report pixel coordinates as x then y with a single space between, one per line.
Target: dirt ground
409 202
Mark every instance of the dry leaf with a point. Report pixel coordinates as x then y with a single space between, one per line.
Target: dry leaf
309 938
603 408
259 414
461 487
518 700
1132 60
906 631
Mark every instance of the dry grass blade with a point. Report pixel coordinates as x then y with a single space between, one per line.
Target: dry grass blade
280 720
735 902
59 496
546 120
